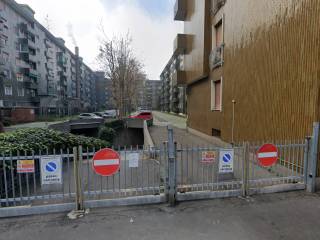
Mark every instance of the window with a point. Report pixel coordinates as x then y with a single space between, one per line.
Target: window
218 34
216 132
216 95
20 92
19 77
8 90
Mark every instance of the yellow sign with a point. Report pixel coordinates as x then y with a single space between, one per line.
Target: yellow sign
25 166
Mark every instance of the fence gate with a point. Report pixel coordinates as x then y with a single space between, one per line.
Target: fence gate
63 180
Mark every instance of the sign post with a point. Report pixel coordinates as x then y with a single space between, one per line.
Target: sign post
226 161
106 162
25 166
209 157
51 170
267 155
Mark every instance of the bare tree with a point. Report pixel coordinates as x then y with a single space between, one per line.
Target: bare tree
117 60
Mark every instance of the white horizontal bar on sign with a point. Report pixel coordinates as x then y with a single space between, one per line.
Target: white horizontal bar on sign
106 162
267 154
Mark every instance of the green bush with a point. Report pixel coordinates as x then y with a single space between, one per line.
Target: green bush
7 122
107 134
41 139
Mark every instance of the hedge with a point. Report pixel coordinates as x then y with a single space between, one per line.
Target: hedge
35 139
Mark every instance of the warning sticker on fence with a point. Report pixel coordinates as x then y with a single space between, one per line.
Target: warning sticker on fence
133 160
226 161
25 166
208 157
51 170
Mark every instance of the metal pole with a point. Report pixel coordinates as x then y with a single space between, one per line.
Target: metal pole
79 199
312 168
245 169
306 158
233 119
172 168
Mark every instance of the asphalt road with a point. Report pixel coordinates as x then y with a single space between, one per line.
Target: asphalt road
275 216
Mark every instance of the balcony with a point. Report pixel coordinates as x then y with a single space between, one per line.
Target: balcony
216 57
61 59
180 45
2 61
33 73
2 43
48 43
31 85
35 99
179 78
217 4
180 10
33 58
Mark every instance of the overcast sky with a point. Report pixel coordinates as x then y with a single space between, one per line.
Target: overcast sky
150 23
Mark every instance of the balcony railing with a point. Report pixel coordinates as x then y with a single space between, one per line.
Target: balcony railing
179 78
217 4
180 10
216 57
180 45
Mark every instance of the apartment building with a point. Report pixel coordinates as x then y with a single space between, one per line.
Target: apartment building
152 94
252 70
103 90
37 71
173 93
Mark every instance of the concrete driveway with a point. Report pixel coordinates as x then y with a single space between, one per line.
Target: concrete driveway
276 216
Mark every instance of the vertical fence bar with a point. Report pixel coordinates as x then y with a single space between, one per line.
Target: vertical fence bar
5 179
245 169
137 170
77 151
172 167
119 174
154 169
12 180
147 151
88 173
69 173
27 179
20 182
34 176
125 170
305 159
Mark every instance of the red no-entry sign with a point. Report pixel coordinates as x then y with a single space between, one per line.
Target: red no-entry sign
267 155
106 162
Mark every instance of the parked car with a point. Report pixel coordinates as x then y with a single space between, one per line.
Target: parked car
111 113
145 115
89 116
102 114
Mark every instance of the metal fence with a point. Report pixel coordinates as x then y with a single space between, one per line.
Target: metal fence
166 173
19 189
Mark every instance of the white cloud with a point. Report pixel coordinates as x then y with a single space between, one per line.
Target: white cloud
152 36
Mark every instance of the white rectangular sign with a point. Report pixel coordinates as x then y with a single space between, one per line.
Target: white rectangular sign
51 170
133 160
226 161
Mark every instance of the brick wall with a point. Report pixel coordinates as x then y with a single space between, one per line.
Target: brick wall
22 115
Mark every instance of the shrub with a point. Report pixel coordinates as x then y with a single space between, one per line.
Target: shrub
7 122
41 139
107 134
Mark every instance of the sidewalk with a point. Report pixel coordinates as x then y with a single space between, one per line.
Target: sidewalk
165 118
283 216
159 132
